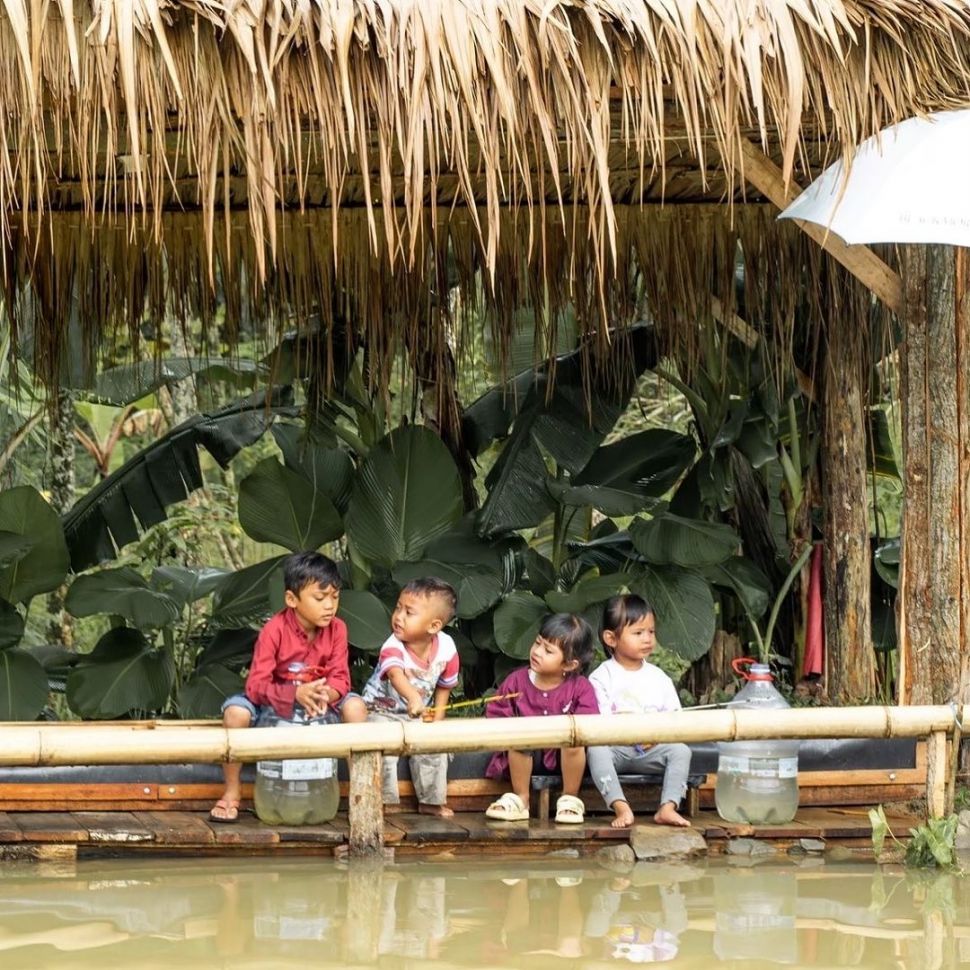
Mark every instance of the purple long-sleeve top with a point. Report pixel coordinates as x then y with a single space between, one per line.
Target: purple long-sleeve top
575 695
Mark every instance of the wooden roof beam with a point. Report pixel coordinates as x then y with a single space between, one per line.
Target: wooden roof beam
860 261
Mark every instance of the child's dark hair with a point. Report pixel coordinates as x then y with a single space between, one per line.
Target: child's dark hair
620 612
302 569
433 586
573 635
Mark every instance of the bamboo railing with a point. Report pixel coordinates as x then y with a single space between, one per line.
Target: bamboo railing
166 742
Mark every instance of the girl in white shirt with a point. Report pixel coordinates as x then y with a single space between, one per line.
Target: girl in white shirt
627 683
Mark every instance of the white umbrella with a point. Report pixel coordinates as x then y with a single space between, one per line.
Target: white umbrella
910 183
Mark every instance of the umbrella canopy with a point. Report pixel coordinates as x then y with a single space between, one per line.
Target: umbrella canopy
907 184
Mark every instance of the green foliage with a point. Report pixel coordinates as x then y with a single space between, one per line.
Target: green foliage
931 845
23 686
203 693
122 592
281 506
553 534
123 673
406 494
138 494
38 560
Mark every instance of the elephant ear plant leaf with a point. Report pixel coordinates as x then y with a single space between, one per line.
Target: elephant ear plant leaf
407 494
31 537
122 592
281 506
122 674
33 560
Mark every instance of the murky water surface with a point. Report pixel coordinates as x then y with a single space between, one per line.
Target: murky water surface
267 912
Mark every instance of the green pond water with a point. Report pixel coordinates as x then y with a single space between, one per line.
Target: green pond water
463 912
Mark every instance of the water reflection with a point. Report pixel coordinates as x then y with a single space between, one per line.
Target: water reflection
469 913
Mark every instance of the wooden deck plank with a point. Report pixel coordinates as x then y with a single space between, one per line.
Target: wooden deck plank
176 828
246 830
393 834
10 831
482 829
49 827
428 828
113 827
324 834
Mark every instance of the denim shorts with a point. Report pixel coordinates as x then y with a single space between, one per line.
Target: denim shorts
260 715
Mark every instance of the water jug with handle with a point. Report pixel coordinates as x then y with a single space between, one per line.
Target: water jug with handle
297 791
757 781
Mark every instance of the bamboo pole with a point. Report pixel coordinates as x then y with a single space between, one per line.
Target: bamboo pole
51 744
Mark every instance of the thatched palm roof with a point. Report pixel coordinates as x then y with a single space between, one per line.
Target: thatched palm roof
354 143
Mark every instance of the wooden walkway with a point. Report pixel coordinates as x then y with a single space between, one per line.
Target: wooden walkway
65 835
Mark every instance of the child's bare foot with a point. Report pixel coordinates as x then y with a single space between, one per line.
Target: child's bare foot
624 815
393 808
442 811
667 814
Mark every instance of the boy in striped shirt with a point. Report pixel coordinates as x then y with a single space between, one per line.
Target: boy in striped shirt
416 670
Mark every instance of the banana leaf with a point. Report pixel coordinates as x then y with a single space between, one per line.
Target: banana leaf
136 496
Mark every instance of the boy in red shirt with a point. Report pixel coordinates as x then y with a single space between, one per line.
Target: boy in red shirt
307 632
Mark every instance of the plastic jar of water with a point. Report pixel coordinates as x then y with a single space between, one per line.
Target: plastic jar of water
297 791
757 781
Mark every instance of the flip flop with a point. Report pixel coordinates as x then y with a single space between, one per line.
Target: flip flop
570 810
508 808
228 805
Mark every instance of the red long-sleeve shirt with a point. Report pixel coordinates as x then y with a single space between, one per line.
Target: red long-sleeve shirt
282 642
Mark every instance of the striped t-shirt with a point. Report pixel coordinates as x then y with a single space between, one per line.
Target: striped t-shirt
439 670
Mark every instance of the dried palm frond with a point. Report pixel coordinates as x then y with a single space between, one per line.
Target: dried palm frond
486 122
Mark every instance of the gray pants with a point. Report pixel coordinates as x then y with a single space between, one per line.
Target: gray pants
606 763
429 772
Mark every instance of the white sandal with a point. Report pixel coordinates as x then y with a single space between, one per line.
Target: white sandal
570 810
508 808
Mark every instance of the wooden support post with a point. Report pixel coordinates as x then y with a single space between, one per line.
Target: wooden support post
850 660
934 593
937 764
365 806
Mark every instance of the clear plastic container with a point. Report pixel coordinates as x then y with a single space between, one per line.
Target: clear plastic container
757 781
297 791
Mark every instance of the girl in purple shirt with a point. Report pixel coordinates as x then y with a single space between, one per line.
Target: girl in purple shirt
553 683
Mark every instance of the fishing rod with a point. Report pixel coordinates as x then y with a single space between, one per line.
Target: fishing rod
480 700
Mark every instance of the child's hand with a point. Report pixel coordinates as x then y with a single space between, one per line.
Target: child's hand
313 697
415 706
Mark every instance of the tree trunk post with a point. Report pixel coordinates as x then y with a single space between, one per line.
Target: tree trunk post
935 564
850 662
365 806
